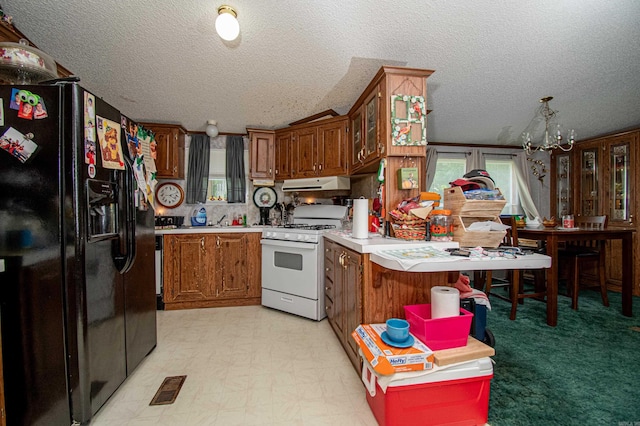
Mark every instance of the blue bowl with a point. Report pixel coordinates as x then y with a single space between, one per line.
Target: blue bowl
397 329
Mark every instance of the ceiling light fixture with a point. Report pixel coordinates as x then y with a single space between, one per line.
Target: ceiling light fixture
227 25
550 141
212 128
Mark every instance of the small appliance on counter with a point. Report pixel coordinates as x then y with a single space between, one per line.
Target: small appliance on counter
168 222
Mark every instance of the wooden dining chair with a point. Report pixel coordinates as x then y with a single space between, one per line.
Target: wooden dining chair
514 280
578 254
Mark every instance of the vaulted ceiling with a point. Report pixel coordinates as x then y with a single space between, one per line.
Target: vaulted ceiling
493 59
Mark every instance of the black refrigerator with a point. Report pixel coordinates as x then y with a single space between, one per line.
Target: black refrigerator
77 293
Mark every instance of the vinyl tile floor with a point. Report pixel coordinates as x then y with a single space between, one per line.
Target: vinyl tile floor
245 366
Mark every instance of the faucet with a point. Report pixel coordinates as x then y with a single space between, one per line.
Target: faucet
219 221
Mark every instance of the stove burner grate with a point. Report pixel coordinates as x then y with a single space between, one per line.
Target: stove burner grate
305 226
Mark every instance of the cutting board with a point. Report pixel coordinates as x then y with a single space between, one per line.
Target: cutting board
475 349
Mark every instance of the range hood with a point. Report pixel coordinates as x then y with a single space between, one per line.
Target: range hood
329 183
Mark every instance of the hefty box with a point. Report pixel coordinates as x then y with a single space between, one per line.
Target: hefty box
385 359
454 395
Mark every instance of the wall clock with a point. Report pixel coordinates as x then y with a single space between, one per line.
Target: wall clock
169 195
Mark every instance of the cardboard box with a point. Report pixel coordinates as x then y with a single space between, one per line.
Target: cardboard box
386 359
456 395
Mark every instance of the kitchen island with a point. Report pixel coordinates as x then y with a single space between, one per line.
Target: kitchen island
365 284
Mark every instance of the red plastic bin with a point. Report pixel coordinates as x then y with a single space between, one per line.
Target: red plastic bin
438 333
458 396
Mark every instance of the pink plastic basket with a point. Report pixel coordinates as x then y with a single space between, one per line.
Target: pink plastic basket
438 333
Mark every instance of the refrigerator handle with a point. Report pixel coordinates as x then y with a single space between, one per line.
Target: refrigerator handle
124 248
130 205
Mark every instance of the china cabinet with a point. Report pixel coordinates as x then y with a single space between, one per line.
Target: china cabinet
598 177
170 149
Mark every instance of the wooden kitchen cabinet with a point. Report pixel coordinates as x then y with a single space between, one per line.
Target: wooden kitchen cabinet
262 154
370 117
283 155
170 161
343 295
358 291
333 148
316 149
209 270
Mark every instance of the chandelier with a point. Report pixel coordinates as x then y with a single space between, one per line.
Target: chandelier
552 138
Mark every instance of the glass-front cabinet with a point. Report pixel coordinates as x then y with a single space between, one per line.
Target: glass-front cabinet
561 181
589 182
605 178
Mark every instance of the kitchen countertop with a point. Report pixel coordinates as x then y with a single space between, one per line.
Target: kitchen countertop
378 247
209 230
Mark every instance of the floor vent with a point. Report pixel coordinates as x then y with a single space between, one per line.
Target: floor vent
168 391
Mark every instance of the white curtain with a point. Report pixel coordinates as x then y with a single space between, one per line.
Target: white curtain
524 186
432 160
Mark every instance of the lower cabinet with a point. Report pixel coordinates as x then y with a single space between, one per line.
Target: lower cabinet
343 295
209 270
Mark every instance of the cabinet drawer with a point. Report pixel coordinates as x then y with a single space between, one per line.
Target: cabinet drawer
328 287
328 307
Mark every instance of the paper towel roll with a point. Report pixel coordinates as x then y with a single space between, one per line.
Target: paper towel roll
445 302
360 227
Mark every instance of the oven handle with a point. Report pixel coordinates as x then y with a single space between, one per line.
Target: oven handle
289 244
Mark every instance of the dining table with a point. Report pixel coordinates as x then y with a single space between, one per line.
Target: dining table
556 236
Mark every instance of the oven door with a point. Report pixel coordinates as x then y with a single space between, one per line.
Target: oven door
290 267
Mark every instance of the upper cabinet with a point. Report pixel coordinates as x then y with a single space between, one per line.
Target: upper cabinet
170 149
397 94
312 149
262 154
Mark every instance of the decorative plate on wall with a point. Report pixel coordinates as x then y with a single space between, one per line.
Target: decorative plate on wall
265 197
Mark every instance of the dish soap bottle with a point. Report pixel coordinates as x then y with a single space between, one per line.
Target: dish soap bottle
199 216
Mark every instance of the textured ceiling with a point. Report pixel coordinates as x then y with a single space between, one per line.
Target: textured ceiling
493 59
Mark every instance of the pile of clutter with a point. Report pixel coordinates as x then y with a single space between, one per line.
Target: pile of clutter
478 185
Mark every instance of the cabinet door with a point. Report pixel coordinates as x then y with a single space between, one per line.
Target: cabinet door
232 265
355 147
169 151
621 199
589 170
189 268
332 147
352 301
371 126
561 178
305 150
262 155
339 284
283 155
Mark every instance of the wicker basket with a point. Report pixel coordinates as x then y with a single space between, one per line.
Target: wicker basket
405 232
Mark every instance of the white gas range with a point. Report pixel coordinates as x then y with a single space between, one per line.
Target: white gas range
293 261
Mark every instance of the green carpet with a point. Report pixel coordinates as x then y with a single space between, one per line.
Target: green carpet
585 371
